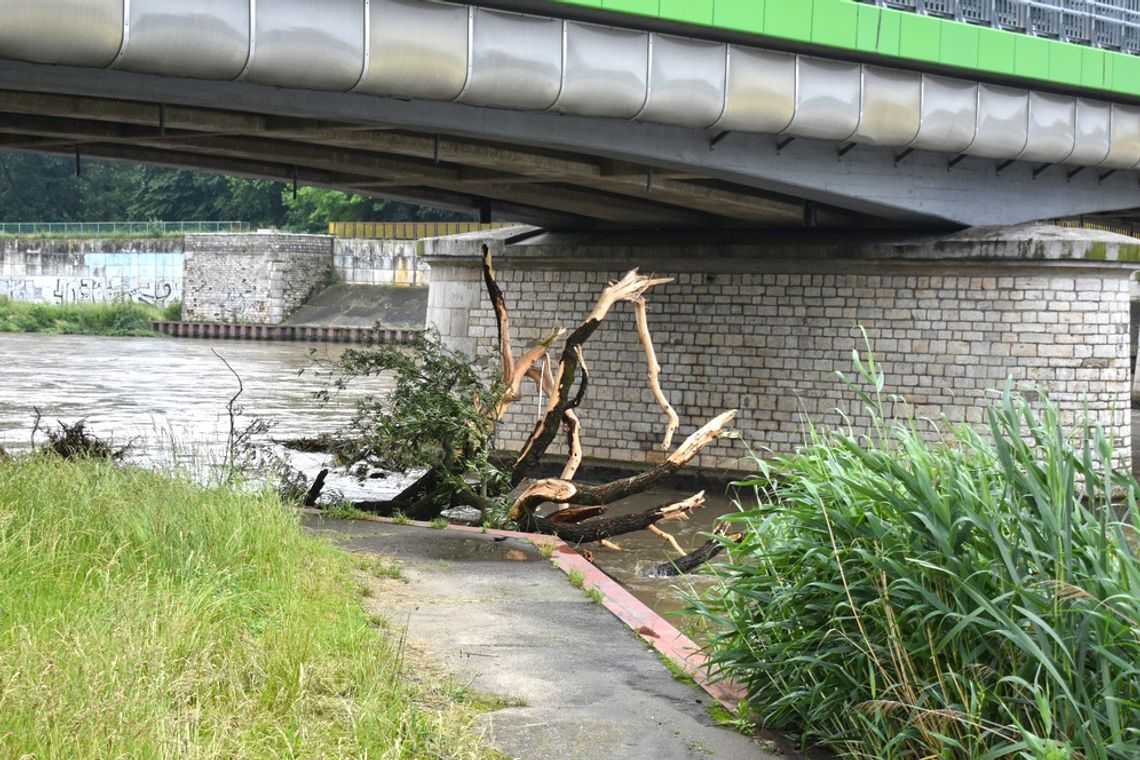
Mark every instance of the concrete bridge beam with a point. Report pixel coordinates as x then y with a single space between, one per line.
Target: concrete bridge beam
769 172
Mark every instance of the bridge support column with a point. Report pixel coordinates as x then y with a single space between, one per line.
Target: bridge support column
764 324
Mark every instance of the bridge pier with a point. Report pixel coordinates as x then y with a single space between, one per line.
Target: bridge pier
762 323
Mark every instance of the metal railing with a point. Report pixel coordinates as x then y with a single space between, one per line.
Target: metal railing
1108 24
78 229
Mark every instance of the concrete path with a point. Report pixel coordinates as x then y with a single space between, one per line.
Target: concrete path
504 620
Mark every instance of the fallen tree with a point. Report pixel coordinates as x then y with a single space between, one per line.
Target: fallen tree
442 416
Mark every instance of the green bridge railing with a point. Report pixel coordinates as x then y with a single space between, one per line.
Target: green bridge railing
1106 24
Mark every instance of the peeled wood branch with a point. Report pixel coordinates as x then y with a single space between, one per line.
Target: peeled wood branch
673 421
629 288
561 491
525 368
572 424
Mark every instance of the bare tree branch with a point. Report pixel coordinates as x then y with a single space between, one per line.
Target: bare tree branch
673 421
629 288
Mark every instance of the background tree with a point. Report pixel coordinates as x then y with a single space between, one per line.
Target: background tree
36 188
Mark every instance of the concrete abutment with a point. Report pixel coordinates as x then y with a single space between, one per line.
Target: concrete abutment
764 325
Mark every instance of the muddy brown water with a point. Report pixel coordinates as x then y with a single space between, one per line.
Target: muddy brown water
168 399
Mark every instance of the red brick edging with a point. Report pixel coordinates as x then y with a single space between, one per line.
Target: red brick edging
651 627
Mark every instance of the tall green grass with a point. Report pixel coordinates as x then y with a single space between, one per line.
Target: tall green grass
77 319
976 597
143 616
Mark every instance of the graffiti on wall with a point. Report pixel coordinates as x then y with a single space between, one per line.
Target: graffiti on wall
68 290
142 277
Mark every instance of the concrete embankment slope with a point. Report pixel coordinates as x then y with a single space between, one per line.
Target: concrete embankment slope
393 307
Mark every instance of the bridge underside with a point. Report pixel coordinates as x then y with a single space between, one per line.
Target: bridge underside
548 169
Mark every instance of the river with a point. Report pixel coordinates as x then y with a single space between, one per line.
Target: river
168 398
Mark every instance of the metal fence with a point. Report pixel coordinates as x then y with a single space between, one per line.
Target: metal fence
99 229
1109 24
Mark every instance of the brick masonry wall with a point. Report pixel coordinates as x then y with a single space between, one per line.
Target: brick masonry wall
261 277
769 343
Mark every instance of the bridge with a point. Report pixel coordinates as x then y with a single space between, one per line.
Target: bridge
628 113
802 168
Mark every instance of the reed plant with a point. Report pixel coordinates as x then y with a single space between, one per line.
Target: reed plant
915 592
113 318
145 616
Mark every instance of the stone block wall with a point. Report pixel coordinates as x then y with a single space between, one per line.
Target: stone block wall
770 341
380 262
259 277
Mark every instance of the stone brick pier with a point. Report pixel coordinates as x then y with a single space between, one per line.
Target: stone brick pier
763 322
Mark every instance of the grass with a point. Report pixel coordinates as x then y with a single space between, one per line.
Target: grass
117 319
595 594
144 616
974 597
576 578
343 509
439 523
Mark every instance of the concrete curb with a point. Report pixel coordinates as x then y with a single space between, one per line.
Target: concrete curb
647 624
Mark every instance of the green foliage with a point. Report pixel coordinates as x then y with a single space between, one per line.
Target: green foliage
433 418
313 208
976 597
42 188
77 319
147 617
172 312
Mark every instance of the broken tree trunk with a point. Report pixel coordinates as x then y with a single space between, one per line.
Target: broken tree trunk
585 522
699 556
629 288
576 533
561 491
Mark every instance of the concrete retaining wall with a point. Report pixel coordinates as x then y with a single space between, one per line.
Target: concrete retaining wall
260 277
92 271
766 334
380 262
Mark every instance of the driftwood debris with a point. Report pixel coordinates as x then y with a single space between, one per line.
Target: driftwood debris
557 367
315 489
699 556
580 516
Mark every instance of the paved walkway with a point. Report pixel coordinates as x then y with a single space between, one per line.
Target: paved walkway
504 620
